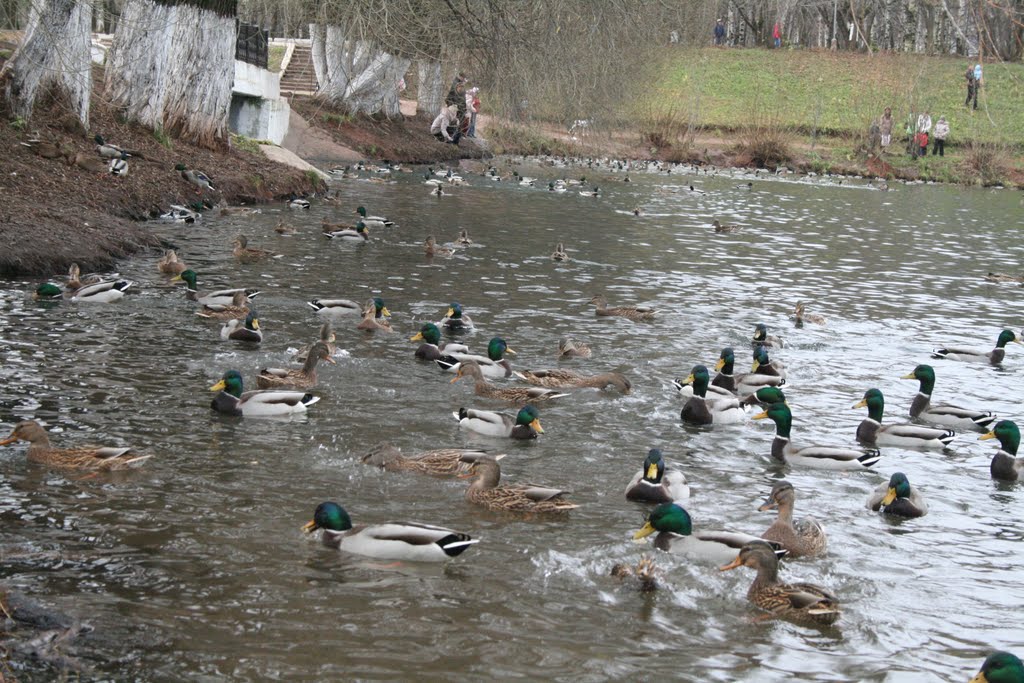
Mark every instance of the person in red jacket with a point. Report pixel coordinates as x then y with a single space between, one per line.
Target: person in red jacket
777 35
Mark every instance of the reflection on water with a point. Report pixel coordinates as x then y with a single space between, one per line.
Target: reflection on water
195 567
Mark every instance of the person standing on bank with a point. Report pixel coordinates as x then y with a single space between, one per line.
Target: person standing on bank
941 132
719 32
472 107
972 91
885 127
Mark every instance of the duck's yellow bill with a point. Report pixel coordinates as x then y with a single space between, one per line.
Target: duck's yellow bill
689 379
652 471
509 351
890 496
385 312
755 366
732 565
449 313
255 323
219 386
536 426
9 440
416 337
986 436
910 376
761 416
644 531
720 364
176 277
310 526
979 678
861 403
331 360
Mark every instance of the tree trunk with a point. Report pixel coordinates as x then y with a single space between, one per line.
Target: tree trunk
53 58
317 41
430 89
172 66
358 76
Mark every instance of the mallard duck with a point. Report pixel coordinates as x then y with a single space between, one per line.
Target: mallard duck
805 537
898 497
455 320
1005 464
297 202
432 347
630 312
170 264
824 457
638 211
238 309
238 210
701 409
334 307
872 431
246 254
430 248
596 192
180 214
303 378
487 491
944 414
994 356
375 317
48 292
799 602
87 458
223 297
570 348
763 365
764 397
1000 667
283 228
118 167
719 228
47 149
230 399
552 187
800 316
439 462
516 395
742 384
645 573
439 192
101 292
494 365
463 239
326 337
676 535
525 425
76 280
373 221
109 151
357 234
563 379
559 253
87 162
197 178
656 484
994 277
408 541
762 338
247 330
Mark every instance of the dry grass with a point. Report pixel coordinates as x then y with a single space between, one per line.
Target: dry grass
989 163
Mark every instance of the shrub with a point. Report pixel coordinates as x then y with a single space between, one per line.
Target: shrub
765 146
987 162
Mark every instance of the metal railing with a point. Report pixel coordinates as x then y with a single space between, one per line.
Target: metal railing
251 45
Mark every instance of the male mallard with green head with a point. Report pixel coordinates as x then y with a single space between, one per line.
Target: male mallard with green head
897 497
872 431
1005 464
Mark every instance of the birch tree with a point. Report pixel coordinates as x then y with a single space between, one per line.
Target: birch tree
171 66
53 59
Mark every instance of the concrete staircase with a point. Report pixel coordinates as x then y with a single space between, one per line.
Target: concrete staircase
300 78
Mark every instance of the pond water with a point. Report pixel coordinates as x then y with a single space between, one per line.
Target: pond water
195 566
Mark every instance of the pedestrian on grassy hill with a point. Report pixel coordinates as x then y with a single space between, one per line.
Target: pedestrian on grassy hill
941 133
777 35
924 123
473 107
922 143
719 32
446 126
972 91
885 127
977 83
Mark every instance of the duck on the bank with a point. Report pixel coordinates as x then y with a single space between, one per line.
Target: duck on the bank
238 309
872 431
247 330
630 312
525 425
406 541
296 378
763 365
762 338
375 317
994 356
246 254
487 491
118 167
943 413
373 221
430 248
803 538
676 535
559 253
432 347
170 264
701 409
1000 667
197 178
326 337
231 400
47 149
455 319
439 462
493 365
824 457
87 162
517 395
798 602
897 497
721 229
560 378
88 457
463 239
357 234
656 483
109 151
801 316
570 348
223 297
1005 464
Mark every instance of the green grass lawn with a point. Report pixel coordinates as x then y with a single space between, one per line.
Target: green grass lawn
275 55
835 93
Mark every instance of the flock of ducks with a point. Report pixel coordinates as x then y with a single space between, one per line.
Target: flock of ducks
725 399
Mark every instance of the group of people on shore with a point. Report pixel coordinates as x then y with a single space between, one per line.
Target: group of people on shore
458 115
